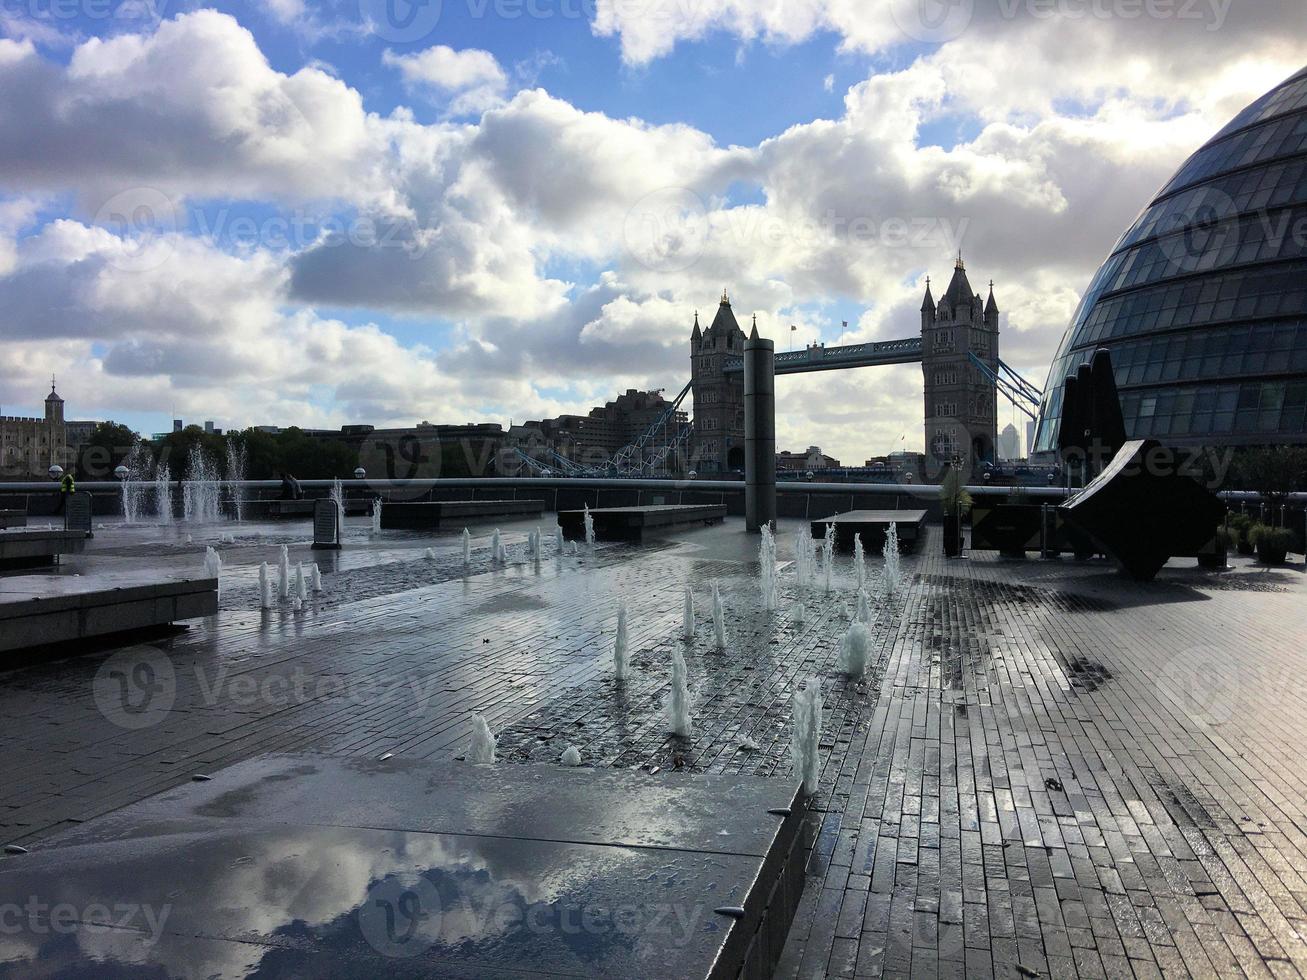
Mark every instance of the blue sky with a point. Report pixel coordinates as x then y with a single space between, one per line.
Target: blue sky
564 191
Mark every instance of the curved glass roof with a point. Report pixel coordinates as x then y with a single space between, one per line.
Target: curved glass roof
1203 301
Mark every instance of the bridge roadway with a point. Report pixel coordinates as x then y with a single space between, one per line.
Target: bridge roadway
823 358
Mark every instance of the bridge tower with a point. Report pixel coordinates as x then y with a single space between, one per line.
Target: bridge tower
718 397
961 405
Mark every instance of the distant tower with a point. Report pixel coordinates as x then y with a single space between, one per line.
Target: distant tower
55 432
961 404
718 397
1009 443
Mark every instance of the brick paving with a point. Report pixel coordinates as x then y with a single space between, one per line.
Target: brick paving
1047 771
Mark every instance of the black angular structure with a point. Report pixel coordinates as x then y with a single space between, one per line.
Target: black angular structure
1141 511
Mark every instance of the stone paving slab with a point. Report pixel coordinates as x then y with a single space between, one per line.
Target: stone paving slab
1047 769
511 867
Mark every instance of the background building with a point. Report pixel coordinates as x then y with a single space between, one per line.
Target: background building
1009 443
813 459
1203 303
28 446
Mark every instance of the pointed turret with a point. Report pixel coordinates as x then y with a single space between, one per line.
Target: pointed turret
754 335
928 304
724 327
54 395
991 307
697 335
959 293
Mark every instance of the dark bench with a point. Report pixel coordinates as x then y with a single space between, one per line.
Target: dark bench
631 523
872 526
430 516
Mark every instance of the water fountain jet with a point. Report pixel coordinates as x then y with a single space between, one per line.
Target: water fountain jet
482 749
806 736
678 701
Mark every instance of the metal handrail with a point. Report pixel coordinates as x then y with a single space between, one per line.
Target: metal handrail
929 490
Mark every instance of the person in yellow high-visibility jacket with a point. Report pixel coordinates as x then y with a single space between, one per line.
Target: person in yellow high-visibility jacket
67 487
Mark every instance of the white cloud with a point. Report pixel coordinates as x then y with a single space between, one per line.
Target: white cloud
474 218
471 79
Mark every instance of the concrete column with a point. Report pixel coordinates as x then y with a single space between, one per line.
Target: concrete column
759 432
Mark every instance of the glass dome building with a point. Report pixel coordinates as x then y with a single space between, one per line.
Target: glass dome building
1203 301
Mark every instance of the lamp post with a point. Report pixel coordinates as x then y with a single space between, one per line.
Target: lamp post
360 473
121 473
56 472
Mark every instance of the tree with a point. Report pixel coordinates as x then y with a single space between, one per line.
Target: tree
1274 472
109 446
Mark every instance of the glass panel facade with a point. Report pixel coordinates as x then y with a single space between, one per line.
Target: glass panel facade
1203 302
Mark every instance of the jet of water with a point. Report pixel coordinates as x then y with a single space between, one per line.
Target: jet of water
317 578
482 749
202 492
892 572
213 566
806 736
429 554
828 554
139 473
678 701
283 570
589 528
301 586
621 655
687 616
163 493
265 587
237 458
767 569
798 613
804 556
497 548
859 563
558 538
572 757
718 617
338 495
467 547
376 516
863 614
855 650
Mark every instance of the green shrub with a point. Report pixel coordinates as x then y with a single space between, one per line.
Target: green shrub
953 494
1272 543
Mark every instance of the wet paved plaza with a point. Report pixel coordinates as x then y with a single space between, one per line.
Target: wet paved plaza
1047 770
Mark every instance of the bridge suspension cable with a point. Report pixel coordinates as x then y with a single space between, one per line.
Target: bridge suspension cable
1016 389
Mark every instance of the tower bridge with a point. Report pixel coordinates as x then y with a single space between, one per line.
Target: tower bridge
957 347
